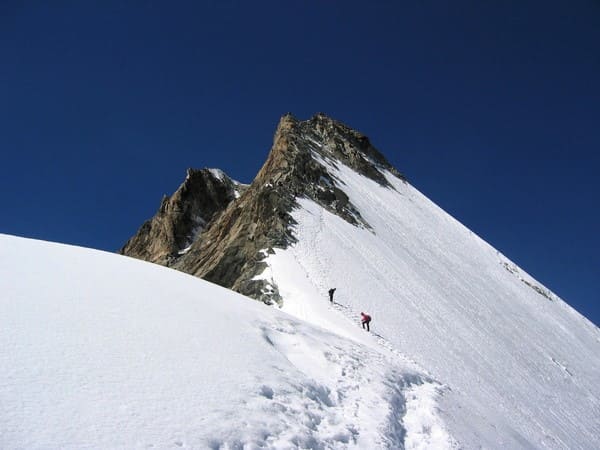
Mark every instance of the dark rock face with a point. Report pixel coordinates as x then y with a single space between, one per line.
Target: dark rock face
182 217
295 153
204 230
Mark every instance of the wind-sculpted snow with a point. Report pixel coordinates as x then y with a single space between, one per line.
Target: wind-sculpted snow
522 368
102 351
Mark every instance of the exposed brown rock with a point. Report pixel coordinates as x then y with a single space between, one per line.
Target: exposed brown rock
238 232
182 217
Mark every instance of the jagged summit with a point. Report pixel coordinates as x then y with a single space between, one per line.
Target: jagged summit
182 217
333 140
214 229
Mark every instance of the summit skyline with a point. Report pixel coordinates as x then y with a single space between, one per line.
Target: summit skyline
490 110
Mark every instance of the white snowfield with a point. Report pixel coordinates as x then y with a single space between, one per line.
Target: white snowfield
102 351
520 368
465 351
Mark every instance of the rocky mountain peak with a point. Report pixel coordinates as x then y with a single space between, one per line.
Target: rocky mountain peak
332 140
294 166
213 229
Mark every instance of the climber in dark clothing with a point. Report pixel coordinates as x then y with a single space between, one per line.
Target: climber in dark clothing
331 291
365 319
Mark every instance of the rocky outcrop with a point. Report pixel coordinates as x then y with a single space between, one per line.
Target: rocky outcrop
224 239
294 161
183 216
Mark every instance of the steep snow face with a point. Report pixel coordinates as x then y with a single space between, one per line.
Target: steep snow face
102 351
521 366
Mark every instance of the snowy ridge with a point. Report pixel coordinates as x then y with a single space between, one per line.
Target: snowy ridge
509 353
364 399
423 425
103 351
354 317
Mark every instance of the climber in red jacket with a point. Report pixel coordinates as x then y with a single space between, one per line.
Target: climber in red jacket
365 319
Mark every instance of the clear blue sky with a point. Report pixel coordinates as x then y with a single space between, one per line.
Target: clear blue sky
492 109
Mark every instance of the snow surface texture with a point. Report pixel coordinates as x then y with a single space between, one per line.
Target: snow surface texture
522 367
102 351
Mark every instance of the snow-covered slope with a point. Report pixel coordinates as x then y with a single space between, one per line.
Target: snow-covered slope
103 351
521 366
466 350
